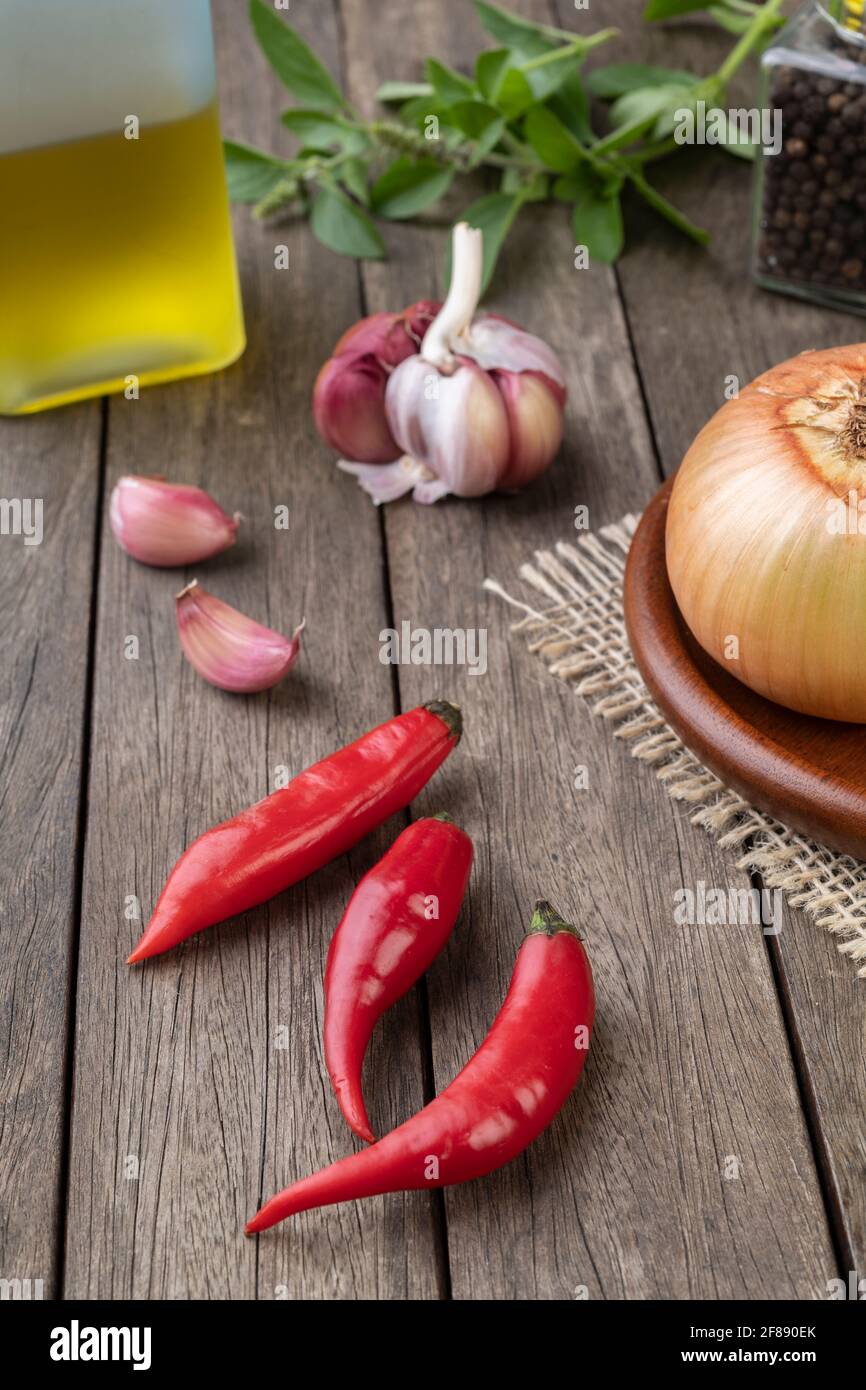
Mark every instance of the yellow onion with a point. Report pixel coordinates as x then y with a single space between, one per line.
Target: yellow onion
766 534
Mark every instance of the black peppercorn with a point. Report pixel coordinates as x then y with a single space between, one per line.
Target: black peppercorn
813 214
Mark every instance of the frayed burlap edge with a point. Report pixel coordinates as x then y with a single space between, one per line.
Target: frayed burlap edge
577 627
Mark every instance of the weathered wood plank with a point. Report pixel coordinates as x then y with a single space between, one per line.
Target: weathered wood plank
45 593
205 1065
625 1194
673 293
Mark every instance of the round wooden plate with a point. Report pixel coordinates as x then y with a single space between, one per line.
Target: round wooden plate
809 773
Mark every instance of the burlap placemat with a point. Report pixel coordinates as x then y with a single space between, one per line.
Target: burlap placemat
575 623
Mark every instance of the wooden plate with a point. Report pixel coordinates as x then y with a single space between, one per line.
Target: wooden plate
809 773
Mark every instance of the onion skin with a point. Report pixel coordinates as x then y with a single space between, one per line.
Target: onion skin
752 549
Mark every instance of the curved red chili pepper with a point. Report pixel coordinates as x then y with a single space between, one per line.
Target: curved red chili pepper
398 919
502 1099
321 813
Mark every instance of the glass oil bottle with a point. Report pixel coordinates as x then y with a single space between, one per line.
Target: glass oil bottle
116 254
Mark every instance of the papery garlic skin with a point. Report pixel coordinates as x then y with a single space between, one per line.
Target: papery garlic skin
168 524
497 344
349 394
765 553
228 649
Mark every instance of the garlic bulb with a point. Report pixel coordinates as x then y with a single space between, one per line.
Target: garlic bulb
228 649
766 534
168 524
349 395
478 408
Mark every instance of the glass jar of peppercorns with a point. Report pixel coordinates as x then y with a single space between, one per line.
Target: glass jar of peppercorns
810 234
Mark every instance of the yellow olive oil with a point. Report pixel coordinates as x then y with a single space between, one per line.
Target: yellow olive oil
116 263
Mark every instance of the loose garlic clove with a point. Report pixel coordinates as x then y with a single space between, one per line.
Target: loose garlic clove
228 649
168 524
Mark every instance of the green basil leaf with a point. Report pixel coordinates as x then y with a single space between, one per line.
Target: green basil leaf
415 111
408 187
510 30
490 68
571 105
353 176
669 9
250 173
293 61
481 122
503 84
597 225
403 91
448 85
319 131
547 78
672 115
494 215
342 226
646 103
619 78
552 141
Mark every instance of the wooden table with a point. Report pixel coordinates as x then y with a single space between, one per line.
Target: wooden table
144 1111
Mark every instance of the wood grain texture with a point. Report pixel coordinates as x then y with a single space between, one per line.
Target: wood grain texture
204 1066
624 1195
808 773
198 1083
695 320
45 598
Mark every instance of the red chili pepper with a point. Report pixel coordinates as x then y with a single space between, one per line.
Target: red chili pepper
503 1098
398 919
320 814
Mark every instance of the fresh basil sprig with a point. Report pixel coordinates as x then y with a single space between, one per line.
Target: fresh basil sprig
523 114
